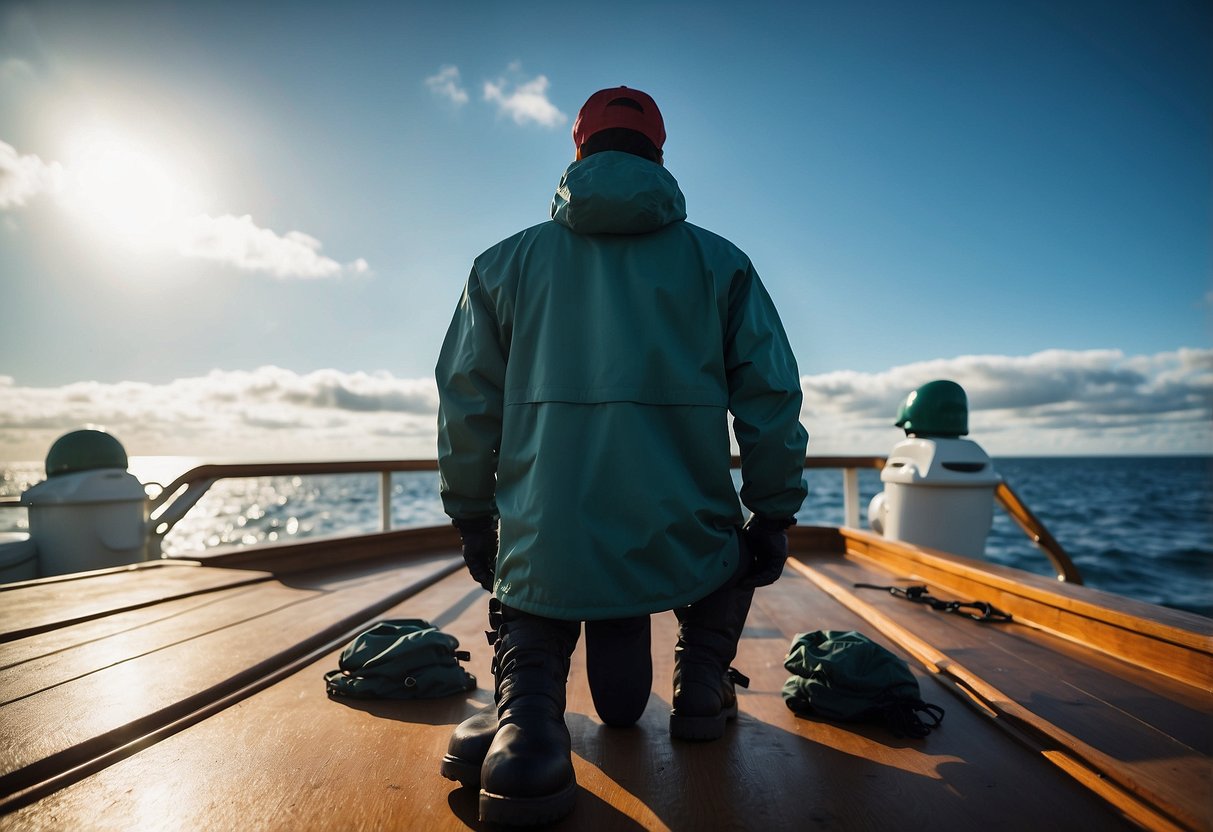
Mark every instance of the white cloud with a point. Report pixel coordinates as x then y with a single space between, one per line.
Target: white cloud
1109 403
357 392
447 85
239 242
268 413
24 177
526 102
1056 401
134 202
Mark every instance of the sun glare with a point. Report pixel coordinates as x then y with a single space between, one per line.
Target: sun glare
125 191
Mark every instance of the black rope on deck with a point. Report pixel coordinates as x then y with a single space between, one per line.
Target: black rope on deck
976 610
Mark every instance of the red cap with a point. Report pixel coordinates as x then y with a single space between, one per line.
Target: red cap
617 107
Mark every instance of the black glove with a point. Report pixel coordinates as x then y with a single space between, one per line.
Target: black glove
479 536
765 541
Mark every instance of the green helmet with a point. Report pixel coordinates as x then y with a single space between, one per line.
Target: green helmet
938 408
84 450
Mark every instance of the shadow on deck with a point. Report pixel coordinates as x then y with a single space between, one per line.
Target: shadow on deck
203 706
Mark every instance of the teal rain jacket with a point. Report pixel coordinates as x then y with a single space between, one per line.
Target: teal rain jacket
585 385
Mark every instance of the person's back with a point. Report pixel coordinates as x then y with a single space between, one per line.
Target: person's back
586 384
624 336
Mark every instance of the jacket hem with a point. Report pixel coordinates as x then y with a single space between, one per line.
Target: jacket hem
621 611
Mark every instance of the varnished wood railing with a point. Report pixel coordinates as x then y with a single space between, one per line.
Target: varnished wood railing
1106 774
1037 533
184 492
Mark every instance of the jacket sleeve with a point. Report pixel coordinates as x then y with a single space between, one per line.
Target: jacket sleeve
765 400
471 379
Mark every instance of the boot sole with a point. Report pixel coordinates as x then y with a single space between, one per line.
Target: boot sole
701 728
527 811
464 772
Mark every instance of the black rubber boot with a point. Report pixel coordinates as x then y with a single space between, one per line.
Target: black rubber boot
471 739
469 743
619 664
704 695
527 777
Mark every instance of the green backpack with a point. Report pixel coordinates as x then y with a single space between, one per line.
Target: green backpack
846 676
400 659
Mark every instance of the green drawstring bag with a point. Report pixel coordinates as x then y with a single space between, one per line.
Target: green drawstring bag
846 676
400 659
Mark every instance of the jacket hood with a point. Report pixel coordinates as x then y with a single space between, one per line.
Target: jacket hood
617 193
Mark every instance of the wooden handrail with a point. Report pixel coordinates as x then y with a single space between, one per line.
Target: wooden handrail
834 461
1095 769
197 480
1037 533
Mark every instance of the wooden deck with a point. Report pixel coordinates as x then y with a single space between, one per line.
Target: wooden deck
188 696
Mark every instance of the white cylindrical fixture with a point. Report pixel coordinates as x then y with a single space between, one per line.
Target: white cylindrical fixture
87 520
939 493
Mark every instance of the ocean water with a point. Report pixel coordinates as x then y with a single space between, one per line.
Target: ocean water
1136 526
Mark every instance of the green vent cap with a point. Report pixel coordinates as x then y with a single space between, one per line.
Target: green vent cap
84 450
937 408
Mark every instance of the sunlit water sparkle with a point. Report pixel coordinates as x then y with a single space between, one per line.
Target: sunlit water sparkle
1137 526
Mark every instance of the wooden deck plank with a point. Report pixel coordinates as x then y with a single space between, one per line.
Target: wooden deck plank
47 733
1177 709
288 757
46 643
1169 642
213 613
1158 736
1182 627
37 607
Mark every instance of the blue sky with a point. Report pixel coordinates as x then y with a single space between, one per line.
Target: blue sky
239 230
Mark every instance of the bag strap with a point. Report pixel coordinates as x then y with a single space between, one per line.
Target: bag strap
912 719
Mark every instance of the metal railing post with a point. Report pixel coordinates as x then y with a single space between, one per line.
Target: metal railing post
180 496
385 500
850 497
